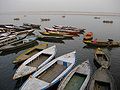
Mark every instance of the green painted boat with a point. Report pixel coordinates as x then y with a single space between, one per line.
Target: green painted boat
77 79
30 52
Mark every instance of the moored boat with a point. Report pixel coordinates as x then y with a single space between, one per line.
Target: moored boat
11 39
51 73
88 36
16 18
81 31
57 34
34 26
66 27
30 52
101 58
45 19
18 44
70 32
77 79
35 62
102 43
96 17
53 39
24 32
107 21
102 80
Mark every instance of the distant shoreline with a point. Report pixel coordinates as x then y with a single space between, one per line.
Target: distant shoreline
61 13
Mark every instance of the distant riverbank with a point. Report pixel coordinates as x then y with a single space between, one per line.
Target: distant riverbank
61 13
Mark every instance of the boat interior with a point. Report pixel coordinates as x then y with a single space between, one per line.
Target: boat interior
34 51
101 85
39 60
76 81
53 71
102 57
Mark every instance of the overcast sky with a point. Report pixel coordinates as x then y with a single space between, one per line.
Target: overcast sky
60 5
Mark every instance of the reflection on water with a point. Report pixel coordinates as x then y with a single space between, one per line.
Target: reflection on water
100 30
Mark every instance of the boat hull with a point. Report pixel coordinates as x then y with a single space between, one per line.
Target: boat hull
51 73
71 82
31 43
101 58
102 79
35 62
28 53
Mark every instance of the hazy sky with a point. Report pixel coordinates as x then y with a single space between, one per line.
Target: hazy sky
60 5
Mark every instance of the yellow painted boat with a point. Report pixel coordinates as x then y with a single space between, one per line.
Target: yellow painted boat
30 52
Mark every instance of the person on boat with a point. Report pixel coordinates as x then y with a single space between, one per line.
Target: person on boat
110 41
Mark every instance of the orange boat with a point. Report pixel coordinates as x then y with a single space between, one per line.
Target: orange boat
88 36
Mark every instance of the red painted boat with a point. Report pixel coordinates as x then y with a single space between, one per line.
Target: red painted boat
88 36
70 32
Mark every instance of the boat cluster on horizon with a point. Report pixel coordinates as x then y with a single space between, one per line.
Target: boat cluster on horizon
107 21
45 19
104 21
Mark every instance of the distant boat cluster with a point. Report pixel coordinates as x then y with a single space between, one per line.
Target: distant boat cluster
16 18
45 19
96 17
106 21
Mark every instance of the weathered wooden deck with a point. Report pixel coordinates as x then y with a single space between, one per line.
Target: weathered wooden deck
33 52
39 60
101 86
52 73
103 60
102 80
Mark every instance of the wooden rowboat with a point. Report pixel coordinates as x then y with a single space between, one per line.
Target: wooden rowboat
102 43
16 18
51 73
77 79
35 62
70 32
88 36
57 34
30 52
18 44
67 27
53 39
13 38
34 26
102 80
101 58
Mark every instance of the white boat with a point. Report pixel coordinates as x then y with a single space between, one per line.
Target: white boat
77 79
5 34
35 62
51 73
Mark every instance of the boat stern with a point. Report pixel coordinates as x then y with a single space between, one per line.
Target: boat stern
34 84
23 71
